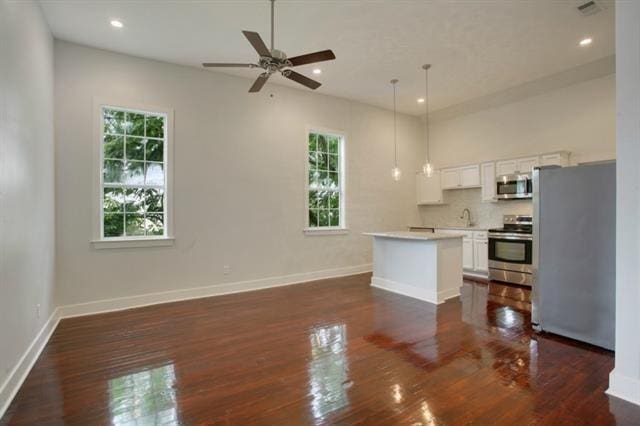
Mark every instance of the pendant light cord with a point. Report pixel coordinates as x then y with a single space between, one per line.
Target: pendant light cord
395 137
426 107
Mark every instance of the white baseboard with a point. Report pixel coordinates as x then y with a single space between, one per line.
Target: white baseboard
410 291
624 387
19 373
121 303
17 376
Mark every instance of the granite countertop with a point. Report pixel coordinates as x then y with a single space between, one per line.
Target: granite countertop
407 235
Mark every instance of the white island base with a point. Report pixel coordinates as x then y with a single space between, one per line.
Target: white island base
425 266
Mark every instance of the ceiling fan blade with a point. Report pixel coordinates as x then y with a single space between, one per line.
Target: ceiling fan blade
257 85
257 43
227 65
310 58
299 78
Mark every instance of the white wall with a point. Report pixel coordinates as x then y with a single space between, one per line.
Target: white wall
26 182
239 177
579 118
625 378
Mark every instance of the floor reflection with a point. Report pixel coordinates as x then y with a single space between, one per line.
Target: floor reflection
144 398
328 370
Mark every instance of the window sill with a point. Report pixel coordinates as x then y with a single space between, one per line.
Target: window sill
132 242
326 231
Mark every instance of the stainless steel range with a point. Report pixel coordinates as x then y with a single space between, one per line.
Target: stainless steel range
511 250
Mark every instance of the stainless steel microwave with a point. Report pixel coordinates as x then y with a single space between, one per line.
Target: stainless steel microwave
514 187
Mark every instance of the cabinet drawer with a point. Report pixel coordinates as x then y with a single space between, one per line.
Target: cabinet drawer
480 235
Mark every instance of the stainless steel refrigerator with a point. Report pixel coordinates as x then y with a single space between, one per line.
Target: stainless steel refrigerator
574 243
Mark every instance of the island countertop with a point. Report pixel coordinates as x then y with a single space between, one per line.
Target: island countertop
407 235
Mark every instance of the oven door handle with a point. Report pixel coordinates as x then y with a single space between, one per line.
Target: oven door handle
514 237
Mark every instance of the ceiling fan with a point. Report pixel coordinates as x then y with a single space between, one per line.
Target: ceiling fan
274 60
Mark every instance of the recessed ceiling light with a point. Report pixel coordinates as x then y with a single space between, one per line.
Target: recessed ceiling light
317 71
116 23
420 100
586 41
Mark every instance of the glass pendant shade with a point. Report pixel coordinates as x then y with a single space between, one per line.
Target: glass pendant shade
427 169
396 173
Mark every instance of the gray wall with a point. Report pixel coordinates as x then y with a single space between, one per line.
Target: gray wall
26 179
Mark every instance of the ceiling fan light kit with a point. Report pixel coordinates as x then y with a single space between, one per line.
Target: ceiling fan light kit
276 61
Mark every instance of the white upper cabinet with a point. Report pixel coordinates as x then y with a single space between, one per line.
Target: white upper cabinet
470 176
555 159
461 177
519 165
526 165
450 178
429 190
488 171
506 167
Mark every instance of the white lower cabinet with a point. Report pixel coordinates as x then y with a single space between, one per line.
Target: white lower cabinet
481 255
467 253
475 250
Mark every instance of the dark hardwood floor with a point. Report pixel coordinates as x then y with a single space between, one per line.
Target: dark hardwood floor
333 351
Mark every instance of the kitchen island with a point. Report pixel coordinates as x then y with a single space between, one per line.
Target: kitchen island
422 265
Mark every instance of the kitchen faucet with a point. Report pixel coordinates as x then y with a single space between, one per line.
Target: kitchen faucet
469 222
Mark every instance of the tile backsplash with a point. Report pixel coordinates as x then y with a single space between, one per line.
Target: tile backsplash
483 214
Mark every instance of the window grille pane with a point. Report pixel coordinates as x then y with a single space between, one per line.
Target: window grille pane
113 171
135 124
135 148
113 121
134 224
155 150
323 219
113 201
134 200
154 224
134 173
114 147
154 199
155 127
154 174
113 224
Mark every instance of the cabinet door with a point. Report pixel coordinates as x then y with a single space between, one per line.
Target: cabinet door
488 171
526 165
481 255
470 176
467 253
450 178
428 188
507 167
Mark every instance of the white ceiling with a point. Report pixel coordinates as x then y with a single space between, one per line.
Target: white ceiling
476 47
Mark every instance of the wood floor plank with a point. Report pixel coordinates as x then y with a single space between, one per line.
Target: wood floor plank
330 352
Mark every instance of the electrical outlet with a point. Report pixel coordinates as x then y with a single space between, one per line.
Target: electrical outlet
38 311
226 269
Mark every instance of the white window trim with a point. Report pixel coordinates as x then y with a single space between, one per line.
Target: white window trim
334 230
98 241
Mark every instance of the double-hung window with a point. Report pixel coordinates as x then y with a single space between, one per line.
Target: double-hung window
133 180
325 181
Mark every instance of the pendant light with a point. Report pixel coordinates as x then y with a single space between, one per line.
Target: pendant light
395 172
427 168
